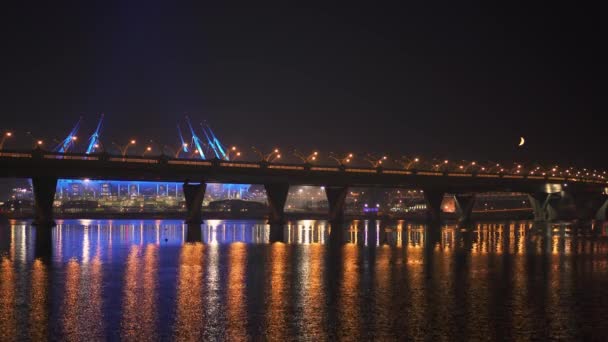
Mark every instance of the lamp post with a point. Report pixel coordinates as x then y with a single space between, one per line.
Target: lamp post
233 153
268 158
125 148
148 149
72 143
407 162
306 159
176 152
36 142
341 160
375 161
5 136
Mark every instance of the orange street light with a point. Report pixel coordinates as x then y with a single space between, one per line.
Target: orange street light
4 137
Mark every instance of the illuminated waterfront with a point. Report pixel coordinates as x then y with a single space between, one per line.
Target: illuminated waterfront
138 280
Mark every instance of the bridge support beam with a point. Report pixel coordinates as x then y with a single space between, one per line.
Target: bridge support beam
276 233
336 196
433 199
43 246
464 204
277 195
587 206
544 206
602 213
44 195
193 232
194 195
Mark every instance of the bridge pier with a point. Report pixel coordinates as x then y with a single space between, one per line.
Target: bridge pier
587 206
602 213
544 206
336 197
193 232
277 195
276 233
44 195
194 195
43 245
464 204
433 199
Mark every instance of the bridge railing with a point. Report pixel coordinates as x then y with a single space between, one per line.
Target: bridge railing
40 154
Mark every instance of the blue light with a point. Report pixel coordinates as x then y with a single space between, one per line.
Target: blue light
94 139
196 140
64 146
116 190
184 146
215 143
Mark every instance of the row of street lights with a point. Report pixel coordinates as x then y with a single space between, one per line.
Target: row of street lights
407 163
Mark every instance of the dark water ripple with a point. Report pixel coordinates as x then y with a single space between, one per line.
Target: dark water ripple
139 280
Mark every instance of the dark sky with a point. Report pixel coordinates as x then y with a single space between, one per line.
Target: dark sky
429 78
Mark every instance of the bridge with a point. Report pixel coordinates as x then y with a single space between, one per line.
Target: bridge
586 197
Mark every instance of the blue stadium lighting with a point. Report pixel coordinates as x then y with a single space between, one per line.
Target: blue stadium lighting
196 140
94 139
211 143
214 142
184 146
65 145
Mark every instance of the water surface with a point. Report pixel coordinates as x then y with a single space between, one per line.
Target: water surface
139 280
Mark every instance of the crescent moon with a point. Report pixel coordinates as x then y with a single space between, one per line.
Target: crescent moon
522 141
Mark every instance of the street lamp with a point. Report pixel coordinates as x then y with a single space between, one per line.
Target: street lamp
341 160
407 162
148 149
268 158
375 161
176 152
71 144
306 159
36 143
123 149
441 166
6 135
233 153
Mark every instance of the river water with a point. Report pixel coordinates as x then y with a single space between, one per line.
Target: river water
140 280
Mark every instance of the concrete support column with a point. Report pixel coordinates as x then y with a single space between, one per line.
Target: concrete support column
193 232
194 194
539 202
336 196
464 204
43 246
276 233
433 199
588 206
602 213
44 195
277 195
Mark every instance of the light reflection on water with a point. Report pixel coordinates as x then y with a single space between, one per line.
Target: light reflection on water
139 280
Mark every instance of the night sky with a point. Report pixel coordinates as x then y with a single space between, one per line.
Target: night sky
431 79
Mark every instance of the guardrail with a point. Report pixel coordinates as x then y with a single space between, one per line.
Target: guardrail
277 166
